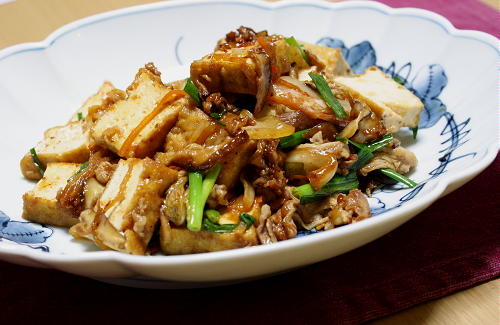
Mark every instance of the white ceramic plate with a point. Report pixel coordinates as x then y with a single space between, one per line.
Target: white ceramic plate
41 84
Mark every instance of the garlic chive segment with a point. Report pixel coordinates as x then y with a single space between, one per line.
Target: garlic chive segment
37 161
391 173
327 95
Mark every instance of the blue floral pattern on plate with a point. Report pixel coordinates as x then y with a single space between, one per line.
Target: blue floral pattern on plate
24 233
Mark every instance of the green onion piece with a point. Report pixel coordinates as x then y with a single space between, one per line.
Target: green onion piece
192 90
293 140
247 219
293 42
337 184
303 190
199 190
399 80
213 227
389 172
365 151
79 115
82 167
415 131
380 142
364 155
218 116
327 94
209 182
357 145
372 146
37 161
212 215
195 202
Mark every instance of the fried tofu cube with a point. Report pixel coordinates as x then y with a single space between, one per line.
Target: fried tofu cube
142 115
129 208
184 241
176 240
40 204
392 102
237 71
95 99
67 143
335 64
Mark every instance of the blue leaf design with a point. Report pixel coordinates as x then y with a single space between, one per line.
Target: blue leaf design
334 44
427 85
361 56
23 232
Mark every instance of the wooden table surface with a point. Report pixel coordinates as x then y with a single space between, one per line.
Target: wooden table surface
32 20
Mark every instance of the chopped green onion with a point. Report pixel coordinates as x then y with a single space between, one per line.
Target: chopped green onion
247 219
195 201
218 116
415 131
213 227
398 79
327 94
37 161
337 184
212 215
364 155
192 90
82 167
209 182
293 42
357 145
293 140
199 190
79 115
365 152
380 142
398 177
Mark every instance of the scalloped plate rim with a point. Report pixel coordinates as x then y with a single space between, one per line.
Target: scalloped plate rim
445 181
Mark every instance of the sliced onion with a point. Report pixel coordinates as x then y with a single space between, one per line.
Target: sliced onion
269 127
309 157
319 177
299 84
352 127
248 194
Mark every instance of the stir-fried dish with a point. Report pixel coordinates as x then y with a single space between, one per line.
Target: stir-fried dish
266 137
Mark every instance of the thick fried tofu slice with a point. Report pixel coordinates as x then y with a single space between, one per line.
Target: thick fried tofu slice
392 102
128 210
237 70
137 125
183 241
176 240
67 143
335 64
40 204
95 99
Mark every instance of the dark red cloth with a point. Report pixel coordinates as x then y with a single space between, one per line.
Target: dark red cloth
450 246
463 14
